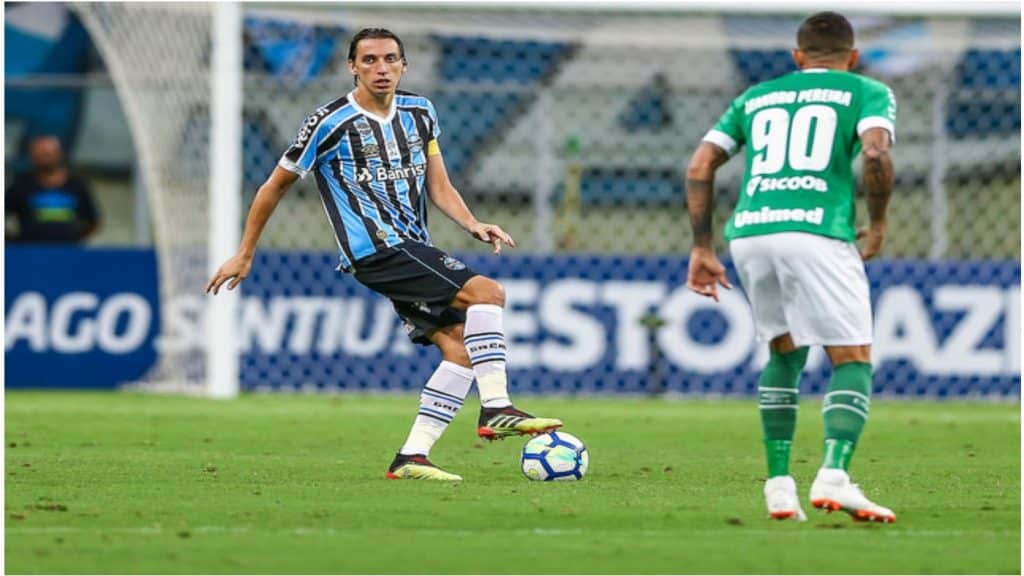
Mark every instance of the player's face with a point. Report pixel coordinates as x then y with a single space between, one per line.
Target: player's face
378 65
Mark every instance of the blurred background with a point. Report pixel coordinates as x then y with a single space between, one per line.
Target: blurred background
571 127
609 103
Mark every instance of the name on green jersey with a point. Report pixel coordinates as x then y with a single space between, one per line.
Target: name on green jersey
827 95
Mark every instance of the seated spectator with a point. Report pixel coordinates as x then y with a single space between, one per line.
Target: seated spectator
50 204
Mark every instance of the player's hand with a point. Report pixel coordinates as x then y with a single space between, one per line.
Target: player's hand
872 238
236 269
492 234
706 273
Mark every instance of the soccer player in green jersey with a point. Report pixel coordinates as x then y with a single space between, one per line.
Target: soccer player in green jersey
792 240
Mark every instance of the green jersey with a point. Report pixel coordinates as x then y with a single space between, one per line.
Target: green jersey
802 132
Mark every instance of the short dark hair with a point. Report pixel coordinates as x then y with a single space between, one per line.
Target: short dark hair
374 33
825 34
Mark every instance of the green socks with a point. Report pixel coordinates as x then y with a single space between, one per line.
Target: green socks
778 392
845 411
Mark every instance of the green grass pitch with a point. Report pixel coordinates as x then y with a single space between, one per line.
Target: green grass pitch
125 483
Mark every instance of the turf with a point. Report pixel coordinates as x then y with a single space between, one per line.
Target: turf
123 483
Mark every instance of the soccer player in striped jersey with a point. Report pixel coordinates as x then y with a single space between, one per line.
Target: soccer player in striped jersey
792 241
376 158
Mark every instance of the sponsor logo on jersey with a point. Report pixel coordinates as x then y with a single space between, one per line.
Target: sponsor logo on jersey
415 143
761 184
385 174
452 263
768 215
371 150
309 125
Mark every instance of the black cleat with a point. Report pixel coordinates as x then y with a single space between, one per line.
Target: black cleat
417 467
495 423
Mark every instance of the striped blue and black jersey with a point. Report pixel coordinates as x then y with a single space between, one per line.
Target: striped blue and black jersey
371 171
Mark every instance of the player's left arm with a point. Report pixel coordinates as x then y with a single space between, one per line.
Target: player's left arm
444 195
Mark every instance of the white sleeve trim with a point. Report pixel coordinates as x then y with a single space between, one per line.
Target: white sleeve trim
870 122
722 140
292 167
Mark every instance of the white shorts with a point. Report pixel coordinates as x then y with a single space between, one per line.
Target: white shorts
810 286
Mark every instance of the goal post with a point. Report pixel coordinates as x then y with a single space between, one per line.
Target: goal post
177 70
225 195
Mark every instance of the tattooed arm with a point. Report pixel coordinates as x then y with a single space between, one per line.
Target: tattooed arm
878 180
705 272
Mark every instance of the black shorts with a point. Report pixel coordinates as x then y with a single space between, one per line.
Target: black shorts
421 282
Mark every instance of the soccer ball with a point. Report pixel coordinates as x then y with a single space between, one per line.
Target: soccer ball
555 456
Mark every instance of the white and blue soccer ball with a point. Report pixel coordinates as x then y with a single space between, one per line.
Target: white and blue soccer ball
555 456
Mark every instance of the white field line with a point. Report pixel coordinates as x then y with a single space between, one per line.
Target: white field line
313 531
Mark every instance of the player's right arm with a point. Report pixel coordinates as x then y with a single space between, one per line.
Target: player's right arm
298 160
879 175
269 194
706 272
876 129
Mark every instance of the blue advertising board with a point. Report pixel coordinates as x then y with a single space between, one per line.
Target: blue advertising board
78 318
575 324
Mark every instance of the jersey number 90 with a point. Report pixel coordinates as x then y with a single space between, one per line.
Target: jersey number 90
805 140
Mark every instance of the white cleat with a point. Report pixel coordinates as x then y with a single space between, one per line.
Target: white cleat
781 497
832 490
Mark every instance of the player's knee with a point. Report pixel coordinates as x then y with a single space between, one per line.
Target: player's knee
449 341
456 353
496 293
846 354
782 344
486 291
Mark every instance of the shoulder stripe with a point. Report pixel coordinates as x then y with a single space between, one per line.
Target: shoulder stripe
414 108
335 136
410 96
311 124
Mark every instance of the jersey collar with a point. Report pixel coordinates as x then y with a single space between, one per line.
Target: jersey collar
814 70
383 120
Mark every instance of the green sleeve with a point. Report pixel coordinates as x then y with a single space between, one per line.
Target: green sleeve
878 108
728 131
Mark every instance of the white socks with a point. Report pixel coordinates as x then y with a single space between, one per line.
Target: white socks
439 402
447 388
485 341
